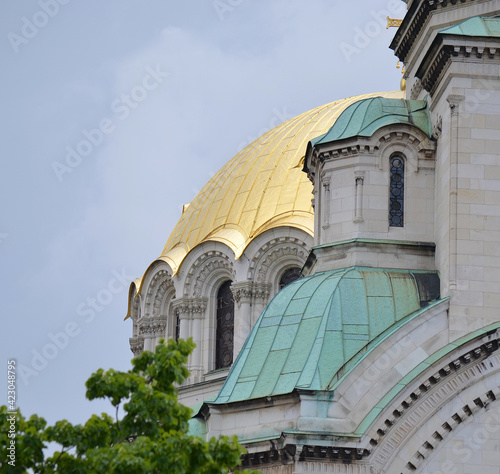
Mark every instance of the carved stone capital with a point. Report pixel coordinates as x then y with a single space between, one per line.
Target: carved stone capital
153 327
136 345
190 308
454 102
249 292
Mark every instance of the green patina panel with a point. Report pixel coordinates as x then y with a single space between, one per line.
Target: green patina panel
356 329
291 319
476 26
353 301
310 368
334 322
405 292
297 306
321 298
279 303
306 335
268 321
270 373
285 337
310 285
287 382
351 346
259 352
377 283
243 390
382 316
331 357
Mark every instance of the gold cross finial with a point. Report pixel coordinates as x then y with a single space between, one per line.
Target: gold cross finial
393 22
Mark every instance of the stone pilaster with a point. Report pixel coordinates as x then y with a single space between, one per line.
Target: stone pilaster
152 330
191 312
250 297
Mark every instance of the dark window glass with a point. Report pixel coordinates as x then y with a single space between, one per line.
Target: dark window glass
289 276
225 327
177 327
396 196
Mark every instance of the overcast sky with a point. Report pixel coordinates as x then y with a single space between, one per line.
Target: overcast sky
117 112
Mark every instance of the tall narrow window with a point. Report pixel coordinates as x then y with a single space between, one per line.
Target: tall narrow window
397 191
289 276
177 327
225 327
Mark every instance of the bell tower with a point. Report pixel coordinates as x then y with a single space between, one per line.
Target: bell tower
451 52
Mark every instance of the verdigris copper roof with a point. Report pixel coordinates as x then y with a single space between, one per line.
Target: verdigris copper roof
365 117
315 327
476 26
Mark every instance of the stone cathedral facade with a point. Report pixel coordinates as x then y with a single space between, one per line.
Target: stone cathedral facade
340 276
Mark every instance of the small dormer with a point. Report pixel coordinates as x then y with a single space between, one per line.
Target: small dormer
373 176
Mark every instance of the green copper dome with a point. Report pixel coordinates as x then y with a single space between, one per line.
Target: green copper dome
476 26
316 328
365 117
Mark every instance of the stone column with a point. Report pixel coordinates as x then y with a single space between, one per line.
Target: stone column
454 102
191 312
359 177
151 331
326 202
261 296
242 294
250 299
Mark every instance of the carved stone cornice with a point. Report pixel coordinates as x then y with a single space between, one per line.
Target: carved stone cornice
249 292
190 308
291 453
413 25
447 49
155 327
416 89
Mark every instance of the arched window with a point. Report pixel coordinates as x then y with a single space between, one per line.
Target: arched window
289 276
396 192
225 327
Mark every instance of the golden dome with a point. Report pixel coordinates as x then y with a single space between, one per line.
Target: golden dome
261 188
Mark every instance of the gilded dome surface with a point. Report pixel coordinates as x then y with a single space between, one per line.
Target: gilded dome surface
261 188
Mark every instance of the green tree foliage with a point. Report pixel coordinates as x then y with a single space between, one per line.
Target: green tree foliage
151 437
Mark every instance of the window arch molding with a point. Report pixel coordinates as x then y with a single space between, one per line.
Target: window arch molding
287 275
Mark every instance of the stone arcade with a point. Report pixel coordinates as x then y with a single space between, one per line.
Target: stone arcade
359 334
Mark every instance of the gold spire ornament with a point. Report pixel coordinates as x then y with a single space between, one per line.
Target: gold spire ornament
393 22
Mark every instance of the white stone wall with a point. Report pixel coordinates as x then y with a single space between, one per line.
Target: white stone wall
467 219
